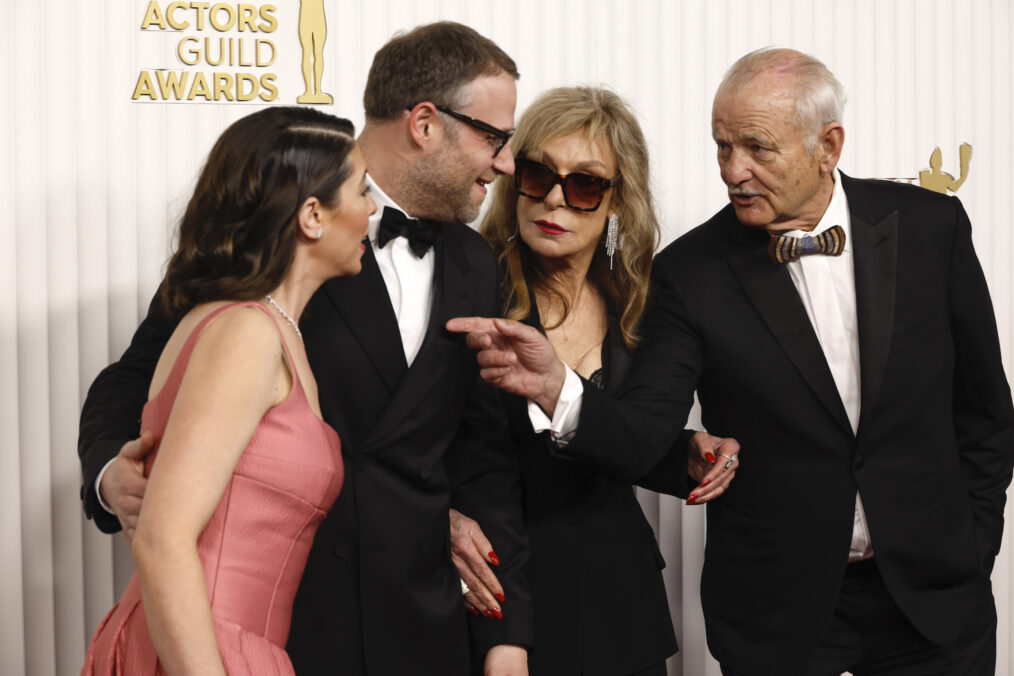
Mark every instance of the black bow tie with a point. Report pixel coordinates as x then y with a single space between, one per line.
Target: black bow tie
421 234
784 249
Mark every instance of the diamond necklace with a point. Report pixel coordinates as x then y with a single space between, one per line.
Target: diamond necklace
285 316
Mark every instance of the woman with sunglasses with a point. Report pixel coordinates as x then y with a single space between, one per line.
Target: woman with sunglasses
574 233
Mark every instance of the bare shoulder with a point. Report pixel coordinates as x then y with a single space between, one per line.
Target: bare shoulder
246 333
240 350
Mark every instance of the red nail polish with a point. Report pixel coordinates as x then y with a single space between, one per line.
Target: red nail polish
474 610
500 597
494 559
710 457
692 499
497 614
490 615
706 482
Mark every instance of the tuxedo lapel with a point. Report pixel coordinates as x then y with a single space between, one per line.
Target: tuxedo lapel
773 294
365 305
451 293
619 360
455 284
875 251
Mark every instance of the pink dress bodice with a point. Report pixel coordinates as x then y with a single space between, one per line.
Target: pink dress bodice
255 546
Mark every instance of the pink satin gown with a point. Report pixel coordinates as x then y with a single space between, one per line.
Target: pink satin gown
255 546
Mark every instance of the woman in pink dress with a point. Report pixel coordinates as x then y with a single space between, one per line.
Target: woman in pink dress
244 469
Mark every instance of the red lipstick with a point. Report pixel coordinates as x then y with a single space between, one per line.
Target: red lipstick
550 228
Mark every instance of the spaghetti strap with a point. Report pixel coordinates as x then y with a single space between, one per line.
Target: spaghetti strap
281 336
172 382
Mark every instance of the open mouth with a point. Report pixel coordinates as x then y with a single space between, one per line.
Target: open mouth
482 184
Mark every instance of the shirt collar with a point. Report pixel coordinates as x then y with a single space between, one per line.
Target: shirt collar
381 199
837 213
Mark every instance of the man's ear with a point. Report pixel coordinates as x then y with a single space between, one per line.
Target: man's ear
832 139
423 125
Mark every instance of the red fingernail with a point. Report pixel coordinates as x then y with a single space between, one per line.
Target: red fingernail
692 499
500 597
706 482
490 615
474 610
709 456
497 614
494 559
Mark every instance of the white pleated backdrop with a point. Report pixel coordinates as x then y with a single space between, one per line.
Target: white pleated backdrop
91 183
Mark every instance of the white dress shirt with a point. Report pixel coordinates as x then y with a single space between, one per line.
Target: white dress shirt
826 285
409 281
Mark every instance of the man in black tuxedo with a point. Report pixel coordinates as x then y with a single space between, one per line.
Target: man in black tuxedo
380 594
865 387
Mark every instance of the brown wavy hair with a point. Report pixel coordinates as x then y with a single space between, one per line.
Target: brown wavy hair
602 116
237 237
430 63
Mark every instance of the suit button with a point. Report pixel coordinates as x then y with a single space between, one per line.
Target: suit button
341 550
858 464
425 471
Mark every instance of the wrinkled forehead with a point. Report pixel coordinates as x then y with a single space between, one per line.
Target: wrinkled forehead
769 99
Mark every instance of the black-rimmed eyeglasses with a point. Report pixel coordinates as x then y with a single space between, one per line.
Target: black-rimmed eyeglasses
501 137
583 192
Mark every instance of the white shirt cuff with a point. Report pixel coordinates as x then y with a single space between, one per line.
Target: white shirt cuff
98 482
567 413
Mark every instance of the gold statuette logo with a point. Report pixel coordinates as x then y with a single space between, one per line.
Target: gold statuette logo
312 34
940 181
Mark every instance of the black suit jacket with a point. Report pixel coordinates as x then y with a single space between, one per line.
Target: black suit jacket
379 594
595 569
932 456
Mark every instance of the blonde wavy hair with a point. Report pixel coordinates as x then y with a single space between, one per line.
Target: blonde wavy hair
602 117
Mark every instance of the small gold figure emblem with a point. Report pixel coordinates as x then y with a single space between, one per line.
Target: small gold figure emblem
940 181
312 34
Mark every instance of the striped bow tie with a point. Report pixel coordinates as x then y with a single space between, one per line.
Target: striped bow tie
784 249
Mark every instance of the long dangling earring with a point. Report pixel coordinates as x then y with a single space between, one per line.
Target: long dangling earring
612 226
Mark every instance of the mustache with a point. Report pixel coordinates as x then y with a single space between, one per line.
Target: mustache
742 192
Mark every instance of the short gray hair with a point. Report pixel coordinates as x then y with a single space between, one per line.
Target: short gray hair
820 97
